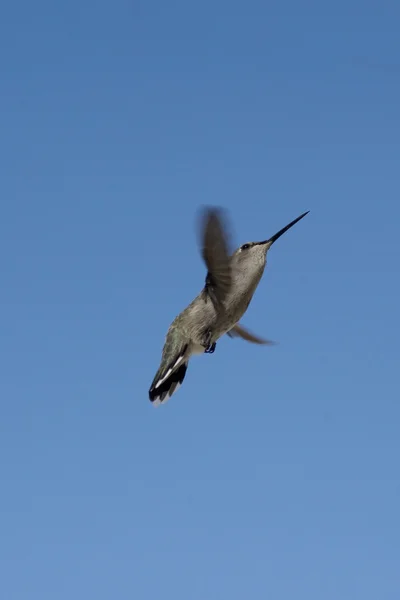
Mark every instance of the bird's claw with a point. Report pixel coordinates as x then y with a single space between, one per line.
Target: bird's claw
210 349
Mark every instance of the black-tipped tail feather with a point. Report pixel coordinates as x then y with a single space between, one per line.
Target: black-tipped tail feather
159 393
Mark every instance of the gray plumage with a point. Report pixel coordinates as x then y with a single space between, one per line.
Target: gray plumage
232 279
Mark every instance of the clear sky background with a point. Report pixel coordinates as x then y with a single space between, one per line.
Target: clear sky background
273 472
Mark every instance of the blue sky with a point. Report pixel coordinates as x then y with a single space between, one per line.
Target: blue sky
273 472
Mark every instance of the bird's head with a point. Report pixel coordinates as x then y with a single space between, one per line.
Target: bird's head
250 258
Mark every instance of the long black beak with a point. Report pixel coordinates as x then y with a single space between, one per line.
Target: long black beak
282 231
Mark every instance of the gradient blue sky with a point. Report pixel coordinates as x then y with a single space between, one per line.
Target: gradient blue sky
273 472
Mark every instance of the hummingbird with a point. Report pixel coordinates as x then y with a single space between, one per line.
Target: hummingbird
230 283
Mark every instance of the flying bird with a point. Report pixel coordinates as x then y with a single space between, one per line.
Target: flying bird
231 280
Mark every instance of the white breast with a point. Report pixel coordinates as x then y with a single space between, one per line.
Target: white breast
196 349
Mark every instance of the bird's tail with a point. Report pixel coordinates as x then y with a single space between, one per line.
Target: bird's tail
169 376
162 388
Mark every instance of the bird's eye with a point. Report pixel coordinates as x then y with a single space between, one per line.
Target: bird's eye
245 247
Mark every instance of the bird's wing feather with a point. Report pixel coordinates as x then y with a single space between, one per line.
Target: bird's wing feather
216 254
240 331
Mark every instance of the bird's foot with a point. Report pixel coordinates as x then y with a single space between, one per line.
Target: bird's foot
210 349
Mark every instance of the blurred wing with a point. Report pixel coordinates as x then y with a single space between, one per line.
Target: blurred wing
216 255
240 331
